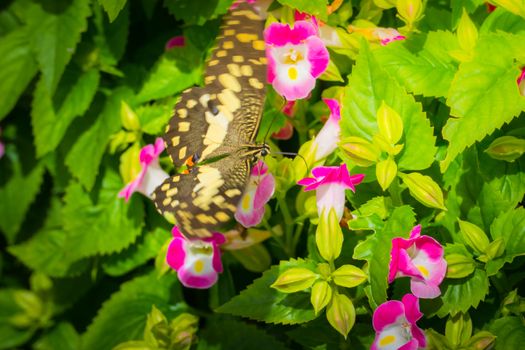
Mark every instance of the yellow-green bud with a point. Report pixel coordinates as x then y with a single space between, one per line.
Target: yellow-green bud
21 320
410 11
360 151
516 7
321 295
129 166
156 324
29 302
473 236
459 265
183 331
324 270
481 340
341 314
390 123
294 280
329 236
467 32
349 276
254 258
495 249
458 329
424 189
386 171
507 148
437 341
385 4
128 117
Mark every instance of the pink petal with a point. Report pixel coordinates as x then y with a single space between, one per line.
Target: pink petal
335 108
424 289
132 187
218 240
264 191
411 345
419 335
253 218
176 254
411 304
289 108
318 56
176 41
294 91
280 34
416 232
271 66
190 280
405 267
387 314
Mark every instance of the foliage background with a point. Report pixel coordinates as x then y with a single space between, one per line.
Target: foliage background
77 263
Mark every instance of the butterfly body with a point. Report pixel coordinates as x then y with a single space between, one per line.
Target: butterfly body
213 130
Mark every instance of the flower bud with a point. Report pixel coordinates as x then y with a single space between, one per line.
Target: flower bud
254 258
459 265
29 302
321 295
341 314
507 148
386 171
128 117
458 329
328 236
410 11
360 151
473 236
324 270
183 330
294 280
424 189
481 340
130 166
390 123
156 326
467 32
21 320
349 276
494 249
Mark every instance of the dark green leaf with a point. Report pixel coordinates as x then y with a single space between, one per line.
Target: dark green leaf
511 227
510 333
10 336
62 337
112 7
195 12
317 8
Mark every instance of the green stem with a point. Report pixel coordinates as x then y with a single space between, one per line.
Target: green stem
395 193
288 224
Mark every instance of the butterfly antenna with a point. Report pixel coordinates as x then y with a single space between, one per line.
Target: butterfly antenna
294 154
273 119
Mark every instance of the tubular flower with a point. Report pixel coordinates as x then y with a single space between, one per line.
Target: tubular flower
176 41
151 175
197 261
330 183
326 141
395 325
421 258
521 82
258 192
296 57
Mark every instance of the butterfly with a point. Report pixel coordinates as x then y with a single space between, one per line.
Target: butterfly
214 127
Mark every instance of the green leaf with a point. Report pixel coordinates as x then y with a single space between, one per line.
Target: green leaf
195 12
136 255
317 8
376 251
85 156
240 336
55 32
18 68
429 72
175 71
18 189
511 227
50 124
10 336
484 94
154 117
123 316
502 20
370 85
510 333
62 337
112 7
105 226
262 303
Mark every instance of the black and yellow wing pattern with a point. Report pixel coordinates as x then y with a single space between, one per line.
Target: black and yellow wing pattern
216 126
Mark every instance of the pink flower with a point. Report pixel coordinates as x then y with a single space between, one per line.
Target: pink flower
176 41
387 35
330 183
296 57
289 109
197 261
258 192
326 141
421 258
521 82
151 174
395 325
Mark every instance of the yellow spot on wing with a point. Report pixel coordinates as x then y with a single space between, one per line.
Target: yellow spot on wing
258 45
206 219
246 37
234 69
228 99
227 45
229 82
184 126
233 22
246 70
182 152
222 216
175 140
221 53
232 192
254 82
213 63
229 32
238 59
248 14
183 113
172 192
165 187
209 79
191 103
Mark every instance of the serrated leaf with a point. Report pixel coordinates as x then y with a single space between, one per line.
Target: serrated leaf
510 333
240 336
112 7
50 124
55 32
429 72
376 250
502 20
105 226
85 156
18 68
484 94
262 303
511 227
193 12
62 337
123 316
370 85
317 8
154 117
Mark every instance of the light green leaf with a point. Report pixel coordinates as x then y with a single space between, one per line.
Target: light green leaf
262 303
510 333
376 250
10 336
370 85
429 72
123 316
317 8
484 94
50 124
112 7
62 337
84 158
511 227
55 32
195 12
502 20
154 117
18 68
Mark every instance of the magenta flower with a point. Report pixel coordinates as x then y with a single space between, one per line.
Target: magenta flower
395 325
176 41
330 183
197 261
151 174
296 57
387 35
521 82
421 258
258 192
326 141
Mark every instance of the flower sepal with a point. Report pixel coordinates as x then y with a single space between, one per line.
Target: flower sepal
295 279
349 276
329 236
459 265
321 295
340 313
